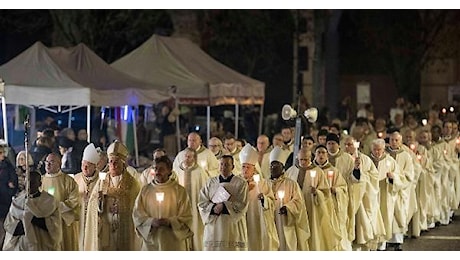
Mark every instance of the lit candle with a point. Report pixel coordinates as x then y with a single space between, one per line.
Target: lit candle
160 197
443 110
256 178
313 175
412 147
51 191
451 109
102 176
356 145
281 197
380 134
203 164
457 141
330 177
419 157
384 173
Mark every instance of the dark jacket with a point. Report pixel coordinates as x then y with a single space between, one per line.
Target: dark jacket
7 175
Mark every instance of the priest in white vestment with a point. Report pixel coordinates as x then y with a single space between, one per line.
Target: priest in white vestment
65 190
33 222
192 177
316 192
223 204
260 220
86 181
290 213
162 213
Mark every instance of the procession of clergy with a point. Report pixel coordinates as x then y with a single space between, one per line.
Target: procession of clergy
339 193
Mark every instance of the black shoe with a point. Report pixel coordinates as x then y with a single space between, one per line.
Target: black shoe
398 247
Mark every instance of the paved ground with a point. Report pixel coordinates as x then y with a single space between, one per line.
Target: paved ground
442 238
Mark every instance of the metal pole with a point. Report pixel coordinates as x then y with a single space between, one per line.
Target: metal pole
69 122
176 105
88 123
26 147
5 122
261 118
136 148
237 108
208 122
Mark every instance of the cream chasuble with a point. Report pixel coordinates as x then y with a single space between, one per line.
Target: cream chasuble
65 190
193 179
35 238
175 207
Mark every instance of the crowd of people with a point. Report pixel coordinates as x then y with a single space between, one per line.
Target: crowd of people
367 189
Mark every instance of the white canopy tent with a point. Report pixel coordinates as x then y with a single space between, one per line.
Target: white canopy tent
198 78
75 76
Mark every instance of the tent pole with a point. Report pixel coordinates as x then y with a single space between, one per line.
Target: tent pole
208 123
261 118
237 110
33 124
5 122
176 105
136 148
69 122
88 123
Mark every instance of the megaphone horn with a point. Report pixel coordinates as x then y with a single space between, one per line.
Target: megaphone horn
311 114
288 112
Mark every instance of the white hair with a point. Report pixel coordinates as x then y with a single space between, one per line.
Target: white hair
378 142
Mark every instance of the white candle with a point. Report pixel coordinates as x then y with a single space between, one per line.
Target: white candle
313 175
330 177
51 191
281 197
160 197
256 178
102 176
356 145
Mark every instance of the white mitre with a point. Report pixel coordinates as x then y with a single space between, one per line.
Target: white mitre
278 154
90 154
248 154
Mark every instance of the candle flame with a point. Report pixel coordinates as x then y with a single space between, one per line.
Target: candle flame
313 174
356 145
281 194
256 178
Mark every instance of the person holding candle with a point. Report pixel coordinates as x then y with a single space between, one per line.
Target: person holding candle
33 222
109 222
431 158
316 193
389 184
406 200
291 217
345 164
260 220
418 221
193 177
162 212
368 227
223 204
86 181
441 167
339 198
453 180
65 190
